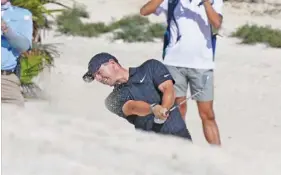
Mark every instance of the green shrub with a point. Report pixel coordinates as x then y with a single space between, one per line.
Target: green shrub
139 33
157 30
133 33
130 28
92 29
129 20
252 34
69 23
135 28
34 61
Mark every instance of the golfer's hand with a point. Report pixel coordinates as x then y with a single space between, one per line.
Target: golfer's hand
160 112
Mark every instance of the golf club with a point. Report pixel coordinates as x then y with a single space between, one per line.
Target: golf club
184 101
161 121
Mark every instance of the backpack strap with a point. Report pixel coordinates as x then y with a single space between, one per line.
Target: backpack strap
214 33
170 16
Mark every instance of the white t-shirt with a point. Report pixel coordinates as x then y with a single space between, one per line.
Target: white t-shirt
194 49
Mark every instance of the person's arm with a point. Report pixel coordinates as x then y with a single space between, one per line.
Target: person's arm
122 104
167 88
214 12
139 108
20 38
165 83
154 6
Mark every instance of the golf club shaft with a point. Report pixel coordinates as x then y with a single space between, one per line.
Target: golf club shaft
184 101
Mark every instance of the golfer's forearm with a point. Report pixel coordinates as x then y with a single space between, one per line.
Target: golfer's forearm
141 108
150 7
214 18
168 98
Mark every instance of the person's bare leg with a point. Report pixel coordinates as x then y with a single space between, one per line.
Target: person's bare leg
183 107
210 127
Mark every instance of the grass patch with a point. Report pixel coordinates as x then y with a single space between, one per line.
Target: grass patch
139 33
132 33
130 28
157 30
129 20
251 34
69 23
136 28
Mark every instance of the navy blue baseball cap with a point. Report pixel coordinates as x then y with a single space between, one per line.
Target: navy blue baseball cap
95 63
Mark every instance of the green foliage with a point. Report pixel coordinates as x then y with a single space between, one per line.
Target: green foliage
132 33
130 28
135 28
33 62
69 23
252 34
30 67
139 33
38 10
129 20
157 30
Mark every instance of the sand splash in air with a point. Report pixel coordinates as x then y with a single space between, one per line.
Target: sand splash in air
73 133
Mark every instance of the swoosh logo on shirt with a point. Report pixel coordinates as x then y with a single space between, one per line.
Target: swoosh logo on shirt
166 75
143 78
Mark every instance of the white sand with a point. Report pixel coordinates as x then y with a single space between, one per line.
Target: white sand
73 133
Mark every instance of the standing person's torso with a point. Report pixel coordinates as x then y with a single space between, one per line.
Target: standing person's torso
13 17
194 49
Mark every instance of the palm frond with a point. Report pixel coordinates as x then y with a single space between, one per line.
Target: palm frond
34 61
40 56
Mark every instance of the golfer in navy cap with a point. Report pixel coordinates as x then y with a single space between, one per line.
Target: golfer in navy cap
142 95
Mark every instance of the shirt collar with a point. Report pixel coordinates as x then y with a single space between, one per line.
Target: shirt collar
132 71
134 75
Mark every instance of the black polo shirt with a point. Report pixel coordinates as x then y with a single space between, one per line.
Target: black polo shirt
143 86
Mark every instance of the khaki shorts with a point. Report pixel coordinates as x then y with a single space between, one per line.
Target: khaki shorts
196 79
10 90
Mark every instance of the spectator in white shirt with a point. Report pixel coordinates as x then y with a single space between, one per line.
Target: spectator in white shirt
188 52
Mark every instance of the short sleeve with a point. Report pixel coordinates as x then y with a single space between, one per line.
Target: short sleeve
163 8
21 37
26 24
160 73
116 100
218 5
